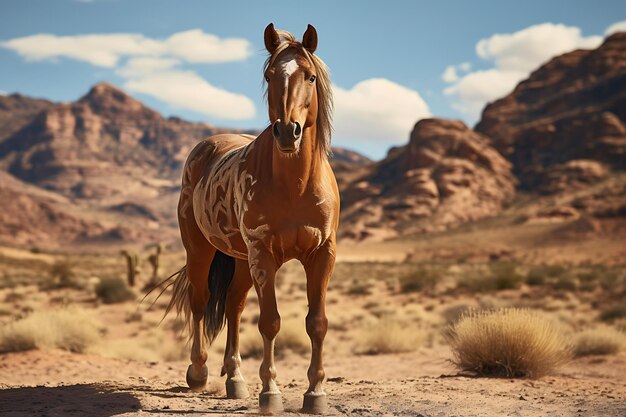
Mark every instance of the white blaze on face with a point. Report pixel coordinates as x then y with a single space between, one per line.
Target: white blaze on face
287 69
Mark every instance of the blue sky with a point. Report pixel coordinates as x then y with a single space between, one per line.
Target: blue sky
388 60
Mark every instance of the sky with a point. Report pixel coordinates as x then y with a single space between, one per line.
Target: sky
392 63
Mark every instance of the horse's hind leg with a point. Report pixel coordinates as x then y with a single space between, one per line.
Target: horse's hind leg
198 275
235 302
200 255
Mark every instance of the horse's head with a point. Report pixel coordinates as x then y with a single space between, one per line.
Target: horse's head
293 75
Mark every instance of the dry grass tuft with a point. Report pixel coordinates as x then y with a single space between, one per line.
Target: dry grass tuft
293 337
388 335
114 290
507 342
600 341
421 279
70 329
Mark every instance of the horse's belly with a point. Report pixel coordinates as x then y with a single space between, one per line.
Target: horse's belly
234 246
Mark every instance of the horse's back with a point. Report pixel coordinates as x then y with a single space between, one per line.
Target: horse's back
211 173
209 151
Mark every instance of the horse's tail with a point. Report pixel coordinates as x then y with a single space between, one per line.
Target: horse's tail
220 276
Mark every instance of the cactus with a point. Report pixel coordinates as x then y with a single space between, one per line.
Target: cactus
154 260
132 264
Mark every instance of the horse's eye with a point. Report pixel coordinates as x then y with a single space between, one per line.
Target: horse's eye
267 79
312 79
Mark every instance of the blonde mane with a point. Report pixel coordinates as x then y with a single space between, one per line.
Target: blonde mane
324 91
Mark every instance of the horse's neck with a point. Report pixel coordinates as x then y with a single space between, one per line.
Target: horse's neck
294 173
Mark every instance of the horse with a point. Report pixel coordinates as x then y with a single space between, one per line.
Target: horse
247 205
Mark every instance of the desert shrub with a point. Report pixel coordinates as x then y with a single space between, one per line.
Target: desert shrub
539 274
420 279
250 345
69 329
359 288
613 313
499 276
293 337
507 342
453 313
587 280
61 275
505 275
114 290
388 336
565 283
600 341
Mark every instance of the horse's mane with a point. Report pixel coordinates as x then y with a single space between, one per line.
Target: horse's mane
324 90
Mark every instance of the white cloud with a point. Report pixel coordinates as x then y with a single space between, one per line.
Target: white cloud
513 56
187 90
138 67
105 50
378 111
450 75
150 65
98 50
616 27
197 46
475 89
465 66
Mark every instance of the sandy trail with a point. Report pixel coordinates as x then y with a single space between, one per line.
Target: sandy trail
58 383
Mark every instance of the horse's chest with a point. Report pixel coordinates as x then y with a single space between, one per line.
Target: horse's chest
284 237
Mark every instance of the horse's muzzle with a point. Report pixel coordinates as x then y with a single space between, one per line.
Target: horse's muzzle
287 135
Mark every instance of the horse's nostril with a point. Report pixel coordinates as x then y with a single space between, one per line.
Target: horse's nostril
297 130
276 130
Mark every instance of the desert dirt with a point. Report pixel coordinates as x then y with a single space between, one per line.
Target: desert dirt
138 368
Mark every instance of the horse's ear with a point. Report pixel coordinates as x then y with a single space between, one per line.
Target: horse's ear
309 40
272 40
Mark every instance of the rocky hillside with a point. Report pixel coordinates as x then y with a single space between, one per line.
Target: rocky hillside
103 169
104 145
446 175
564 127
16 111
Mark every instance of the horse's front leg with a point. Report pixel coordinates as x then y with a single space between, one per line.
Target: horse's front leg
263 269
319 268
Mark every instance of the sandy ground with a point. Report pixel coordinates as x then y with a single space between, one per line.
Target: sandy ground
57 383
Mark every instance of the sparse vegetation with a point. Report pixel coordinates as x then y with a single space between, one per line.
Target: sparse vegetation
388 335
61 275
114 290
250 345
497 276
293 337
421 279
71 329
600 341
359 288
507 342
613 313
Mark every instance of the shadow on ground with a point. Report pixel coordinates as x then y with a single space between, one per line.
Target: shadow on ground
85 400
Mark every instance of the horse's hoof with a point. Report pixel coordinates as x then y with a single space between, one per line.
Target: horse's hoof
314 403
197 380
270 402
236 388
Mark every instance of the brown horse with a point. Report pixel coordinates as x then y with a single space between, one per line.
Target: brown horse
248 205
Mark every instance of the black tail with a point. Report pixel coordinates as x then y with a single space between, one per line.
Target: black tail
220 276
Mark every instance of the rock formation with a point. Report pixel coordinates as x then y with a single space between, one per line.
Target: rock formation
446 175
566 122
